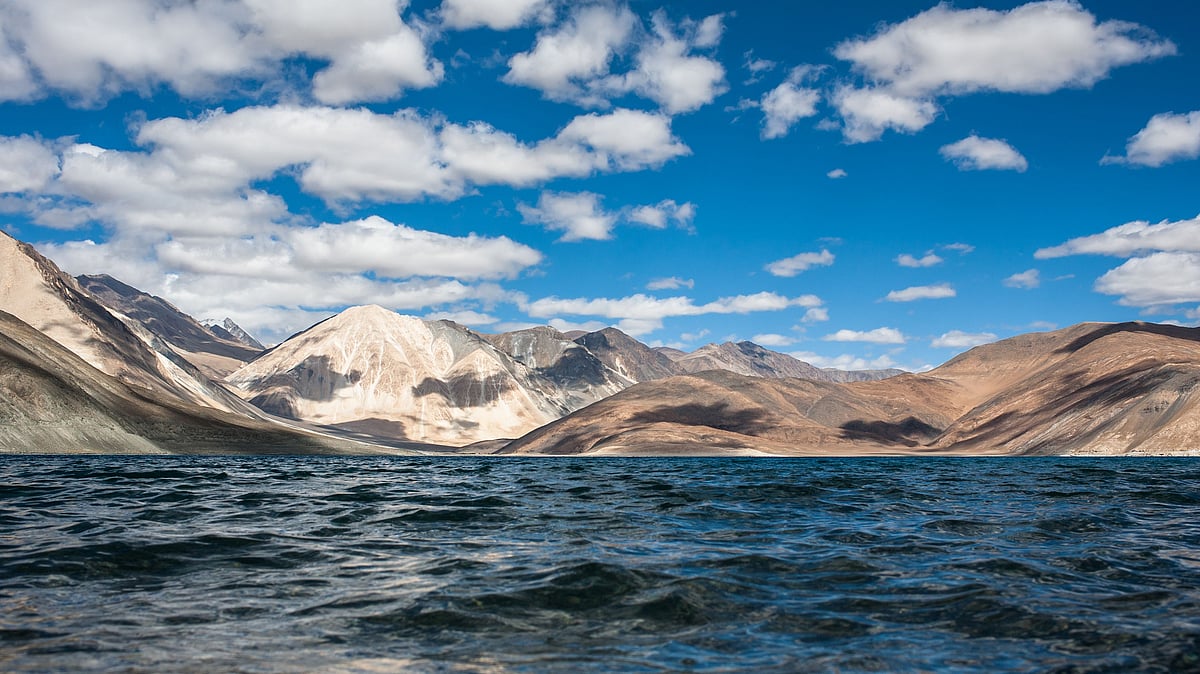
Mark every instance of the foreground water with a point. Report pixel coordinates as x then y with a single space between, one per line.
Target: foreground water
640 565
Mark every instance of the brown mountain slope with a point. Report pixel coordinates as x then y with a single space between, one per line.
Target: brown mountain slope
721 412
215 356
1092 388
627 356
51 401
35 290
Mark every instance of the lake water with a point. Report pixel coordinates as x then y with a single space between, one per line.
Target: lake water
264 564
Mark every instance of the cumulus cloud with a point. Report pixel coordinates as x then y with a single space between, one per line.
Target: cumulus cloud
670 283
844 361
928 260
1167 137
1131 239
876 336
1030 278
269 287
815 315
932 292
788 103
664 213
494 14
796 264
1154 280
26 164
772 339
957 339
669 74
836 174
573 61
568 61
960 248
640 314
198 48
1164 267
979 154
869 111
579 216
1038 47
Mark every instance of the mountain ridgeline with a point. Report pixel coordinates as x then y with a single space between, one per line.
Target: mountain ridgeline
91 364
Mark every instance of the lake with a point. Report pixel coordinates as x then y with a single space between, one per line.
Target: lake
488 564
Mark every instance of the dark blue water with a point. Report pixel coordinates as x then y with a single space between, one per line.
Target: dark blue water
635 565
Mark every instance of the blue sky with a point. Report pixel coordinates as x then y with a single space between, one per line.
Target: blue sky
864 184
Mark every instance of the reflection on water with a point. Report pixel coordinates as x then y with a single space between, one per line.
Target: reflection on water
502 564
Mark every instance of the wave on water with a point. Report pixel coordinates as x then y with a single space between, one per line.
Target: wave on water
360 564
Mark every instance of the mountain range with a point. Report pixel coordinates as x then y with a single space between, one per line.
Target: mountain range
91 364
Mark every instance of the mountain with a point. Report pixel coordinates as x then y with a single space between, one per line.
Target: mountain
1092 388
372 370
52 401
627 356
230 331
579 375
212 354
36 291
752 360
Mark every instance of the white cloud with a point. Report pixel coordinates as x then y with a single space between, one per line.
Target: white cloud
756 66
927 260
1156 279
1030 278
573 61
1039 47
669 74
957 339
645 313
568 62
978 154
844 361
960 248
494 14
1132 238
795 264
570 326
579 216
788 103
815 315
868 112
772 339
876 336
670 283
837 173
665 212
1167 137
468 318
933 292
26 164
198 48
628 139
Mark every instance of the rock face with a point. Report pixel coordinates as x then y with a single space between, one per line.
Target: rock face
52 401
1124 388
214 355
372 370
230 331
627 356
751 360
580 377
36 291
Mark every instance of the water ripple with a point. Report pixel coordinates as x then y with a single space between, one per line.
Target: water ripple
632 565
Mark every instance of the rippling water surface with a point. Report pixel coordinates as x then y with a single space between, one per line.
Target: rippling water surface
640 565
